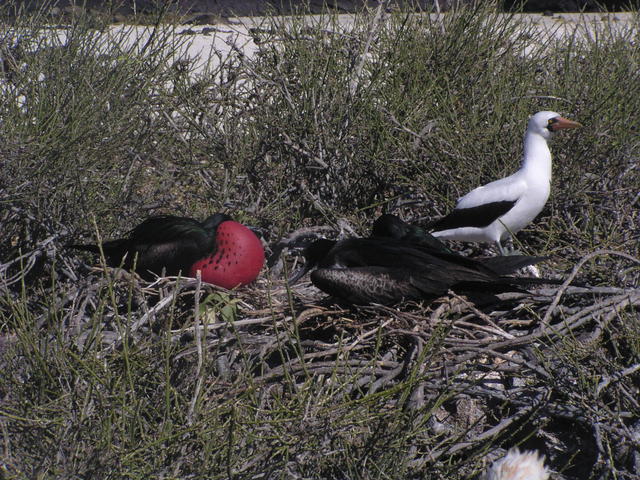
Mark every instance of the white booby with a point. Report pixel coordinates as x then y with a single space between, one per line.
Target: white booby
518 466
494 211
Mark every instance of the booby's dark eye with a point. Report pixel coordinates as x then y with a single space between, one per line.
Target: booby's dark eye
551 123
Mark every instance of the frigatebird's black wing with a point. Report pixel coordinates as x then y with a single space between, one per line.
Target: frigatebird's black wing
162 243
165 228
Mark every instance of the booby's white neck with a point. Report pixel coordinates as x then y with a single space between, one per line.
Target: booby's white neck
537 156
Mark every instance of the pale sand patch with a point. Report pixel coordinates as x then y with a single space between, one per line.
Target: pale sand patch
235 34
209 45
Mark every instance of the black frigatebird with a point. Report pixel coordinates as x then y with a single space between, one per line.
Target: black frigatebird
400 264
227 253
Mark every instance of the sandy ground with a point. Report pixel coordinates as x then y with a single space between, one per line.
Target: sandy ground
221 39
208 45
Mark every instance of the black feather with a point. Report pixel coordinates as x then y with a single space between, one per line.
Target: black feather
386 270
391 226
506 264
479 216
166 243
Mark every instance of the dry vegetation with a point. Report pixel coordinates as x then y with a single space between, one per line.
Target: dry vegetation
106 376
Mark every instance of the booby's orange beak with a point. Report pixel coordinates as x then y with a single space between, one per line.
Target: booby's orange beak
560 123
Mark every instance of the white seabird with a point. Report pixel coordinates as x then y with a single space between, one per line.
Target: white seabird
518 466
501 208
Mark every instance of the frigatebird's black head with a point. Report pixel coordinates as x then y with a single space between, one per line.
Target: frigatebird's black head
391 226
388 225
313 256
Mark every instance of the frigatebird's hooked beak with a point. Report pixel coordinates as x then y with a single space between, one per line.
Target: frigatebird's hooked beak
300 272
313 255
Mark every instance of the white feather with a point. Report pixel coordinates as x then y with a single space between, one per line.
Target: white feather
518 466
529 187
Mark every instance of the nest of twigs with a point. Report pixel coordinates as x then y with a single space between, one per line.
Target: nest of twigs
511 372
